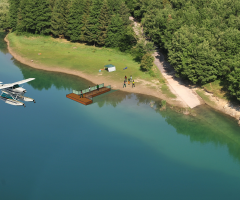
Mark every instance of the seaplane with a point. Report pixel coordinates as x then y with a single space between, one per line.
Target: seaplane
13 94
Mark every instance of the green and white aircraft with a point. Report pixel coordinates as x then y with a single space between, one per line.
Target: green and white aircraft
12 93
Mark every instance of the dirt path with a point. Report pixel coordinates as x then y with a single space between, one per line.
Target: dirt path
183 92
176 85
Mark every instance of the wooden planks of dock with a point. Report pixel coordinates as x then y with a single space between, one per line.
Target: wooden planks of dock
86 99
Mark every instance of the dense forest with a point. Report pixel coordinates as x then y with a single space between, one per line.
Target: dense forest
96 22
4 14
201 37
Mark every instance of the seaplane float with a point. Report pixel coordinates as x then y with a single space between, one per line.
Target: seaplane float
13 94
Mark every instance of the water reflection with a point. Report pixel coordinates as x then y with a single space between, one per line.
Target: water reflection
45 79
3 45
208 126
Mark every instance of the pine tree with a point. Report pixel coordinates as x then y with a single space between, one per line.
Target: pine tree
103 24
92 23
85 18
43 17
114 31
75 19
34 17
60 13
125 14
52 4
4 14
13 13
21 22
128 39
113 6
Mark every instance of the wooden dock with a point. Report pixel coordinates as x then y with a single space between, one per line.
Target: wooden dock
87 97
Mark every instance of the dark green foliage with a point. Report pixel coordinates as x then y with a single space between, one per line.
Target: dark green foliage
92 23
103 21
141 49
113 6
4 14
13 13
52 3
75 19
59 21
201 37
234 80
21 23
114 32
79 20
34 17
43 17
128 39
147 62
124 13
84 22
193 57
138 7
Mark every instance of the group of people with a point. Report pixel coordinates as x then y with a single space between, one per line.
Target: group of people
129 80
81 94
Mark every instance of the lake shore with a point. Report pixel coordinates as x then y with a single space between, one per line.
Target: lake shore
142 86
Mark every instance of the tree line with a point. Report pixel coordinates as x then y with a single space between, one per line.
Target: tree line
96 22
4 14
201 37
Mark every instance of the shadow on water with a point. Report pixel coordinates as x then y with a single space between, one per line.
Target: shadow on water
45 79
208 126
3 45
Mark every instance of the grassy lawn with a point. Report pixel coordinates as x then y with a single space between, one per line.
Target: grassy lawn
77 56
217 89
167 92
205 98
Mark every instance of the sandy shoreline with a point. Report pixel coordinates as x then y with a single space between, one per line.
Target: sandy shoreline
221 105
117 85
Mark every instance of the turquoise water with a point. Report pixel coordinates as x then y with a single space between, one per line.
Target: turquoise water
117 148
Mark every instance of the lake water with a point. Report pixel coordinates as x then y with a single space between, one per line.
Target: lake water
119 148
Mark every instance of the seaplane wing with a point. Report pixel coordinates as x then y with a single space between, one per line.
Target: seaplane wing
6 86
16 83
23 81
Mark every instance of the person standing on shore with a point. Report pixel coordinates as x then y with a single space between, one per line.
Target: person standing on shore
133 84
124 83
89 89
125 78
131 78
81 94
129 81
97 87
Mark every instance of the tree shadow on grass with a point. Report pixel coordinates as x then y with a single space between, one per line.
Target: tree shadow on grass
232 99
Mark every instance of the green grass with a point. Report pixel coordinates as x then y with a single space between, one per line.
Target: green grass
217 89
205 98
88 59
167 92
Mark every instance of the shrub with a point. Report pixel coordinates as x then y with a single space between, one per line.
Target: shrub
147 62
